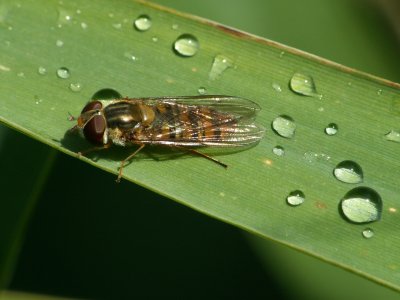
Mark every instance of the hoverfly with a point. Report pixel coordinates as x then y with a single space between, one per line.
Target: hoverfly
188 123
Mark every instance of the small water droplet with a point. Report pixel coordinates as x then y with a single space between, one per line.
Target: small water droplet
38 100
304 85
361 205
21 74
379 92
186 45
175 26
75 87
5 68
393 136
368 233
278 150
117 25
295 198
154 39
331 129
59 43
63 73
106 94
64 16
277 87
84 25
202 90
284 126
313 157
282 54
349 172
42 70
131 56
220 64
142 23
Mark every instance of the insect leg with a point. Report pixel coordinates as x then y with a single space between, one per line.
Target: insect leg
127 159
83 153
203 155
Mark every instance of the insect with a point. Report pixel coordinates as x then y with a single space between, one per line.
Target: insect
188 123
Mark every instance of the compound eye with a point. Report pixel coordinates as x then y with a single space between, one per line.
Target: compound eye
94 105
94 129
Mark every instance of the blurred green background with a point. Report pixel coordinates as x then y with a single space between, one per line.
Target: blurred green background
91 238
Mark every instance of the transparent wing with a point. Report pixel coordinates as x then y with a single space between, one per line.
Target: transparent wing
236 106
200 121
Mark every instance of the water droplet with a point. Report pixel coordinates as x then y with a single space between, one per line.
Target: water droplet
42 70
175 26
284 126
117 25
393 136
130 56
75 87
63 73
331 129
379 92
142 23
4 68
186 45
368 233
64 16
278 150
277 87
282 54
313 157
154 39
84 25
295 198
361 205
303 84
38 100
220 64
349 172
105 94
59 43
202 90
21 74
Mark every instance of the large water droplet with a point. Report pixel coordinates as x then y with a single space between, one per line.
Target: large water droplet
331 129
63 73
186 45
295 198
278 150
303 84
348 171
284 126
142 23
368 233
220 64
361 205
393 136
106 94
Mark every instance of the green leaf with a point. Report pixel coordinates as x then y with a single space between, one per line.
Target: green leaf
98 47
